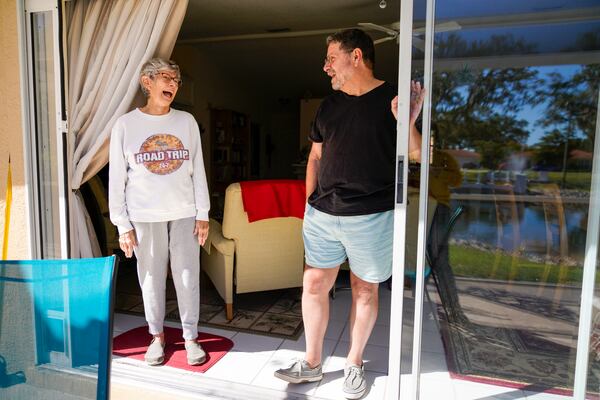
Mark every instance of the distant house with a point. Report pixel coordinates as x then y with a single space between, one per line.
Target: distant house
465 158
580 159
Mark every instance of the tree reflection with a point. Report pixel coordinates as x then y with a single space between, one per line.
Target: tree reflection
571 110
480 109
574 100
483 109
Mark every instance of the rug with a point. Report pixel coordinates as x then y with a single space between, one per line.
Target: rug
516 358
276 313
134 343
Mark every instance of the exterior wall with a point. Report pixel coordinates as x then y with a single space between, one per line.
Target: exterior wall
11 133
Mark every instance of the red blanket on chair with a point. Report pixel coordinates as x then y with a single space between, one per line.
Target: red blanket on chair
273 198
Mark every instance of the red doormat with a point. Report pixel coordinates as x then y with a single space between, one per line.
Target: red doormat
134 343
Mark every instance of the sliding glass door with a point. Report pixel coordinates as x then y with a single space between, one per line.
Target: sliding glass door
508 206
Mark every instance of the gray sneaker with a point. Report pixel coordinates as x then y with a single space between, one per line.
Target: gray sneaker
195 354
355 384
300 372
155 355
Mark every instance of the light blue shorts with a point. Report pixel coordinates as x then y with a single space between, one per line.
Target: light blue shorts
365 240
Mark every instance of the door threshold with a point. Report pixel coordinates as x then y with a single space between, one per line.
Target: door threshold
196 386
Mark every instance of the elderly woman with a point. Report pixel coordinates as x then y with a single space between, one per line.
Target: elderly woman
158 199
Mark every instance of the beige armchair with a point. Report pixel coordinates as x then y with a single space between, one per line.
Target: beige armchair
252 257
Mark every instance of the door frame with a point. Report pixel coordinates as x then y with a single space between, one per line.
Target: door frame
393 381
29 123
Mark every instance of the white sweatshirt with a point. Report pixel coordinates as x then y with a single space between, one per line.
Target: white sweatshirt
156 170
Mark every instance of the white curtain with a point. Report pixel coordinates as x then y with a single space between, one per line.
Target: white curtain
107 43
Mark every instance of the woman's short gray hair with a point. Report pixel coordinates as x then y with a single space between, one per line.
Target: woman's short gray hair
153 66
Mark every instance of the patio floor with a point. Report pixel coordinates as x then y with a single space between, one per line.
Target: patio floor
247 370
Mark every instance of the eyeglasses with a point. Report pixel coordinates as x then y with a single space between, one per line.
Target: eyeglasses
331 59
328 60
166 78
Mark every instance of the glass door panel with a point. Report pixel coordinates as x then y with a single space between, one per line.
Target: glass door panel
514 91
591 298
47 163
46 137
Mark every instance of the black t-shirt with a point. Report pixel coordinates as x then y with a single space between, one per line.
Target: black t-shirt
356 174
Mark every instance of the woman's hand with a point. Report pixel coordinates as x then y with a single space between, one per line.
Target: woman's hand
127 242
201 229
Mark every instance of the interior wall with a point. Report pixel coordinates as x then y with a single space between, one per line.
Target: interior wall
11 134
215 87
211 89
281 138
308 112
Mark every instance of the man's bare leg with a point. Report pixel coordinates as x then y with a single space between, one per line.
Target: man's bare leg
363 314
316 285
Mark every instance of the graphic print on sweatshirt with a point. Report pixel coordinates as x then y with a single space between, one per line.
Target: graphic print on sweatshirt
162 154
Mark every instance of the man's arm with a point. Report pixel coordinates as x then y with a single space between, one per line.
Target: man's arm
414 144
312 168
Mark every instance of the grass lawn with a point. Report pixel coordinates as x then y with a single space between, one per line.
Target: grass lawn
470 175
475 263
574 180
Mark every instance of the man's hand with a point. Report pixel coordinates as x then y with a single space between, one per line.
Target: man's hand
417 95
127 242
201 230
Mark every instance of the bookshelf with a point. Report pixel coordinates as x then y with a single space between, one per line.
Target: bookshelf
230 153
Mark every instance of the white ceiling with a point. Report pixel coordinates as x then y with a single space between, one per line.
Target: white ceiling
283 67
291 67
210 18
206 18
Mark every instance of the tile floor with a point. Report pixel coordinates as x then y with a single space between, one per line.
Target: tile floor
254 358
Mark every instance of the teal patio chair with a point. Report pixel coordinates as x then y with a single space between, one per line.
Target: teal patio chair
56 328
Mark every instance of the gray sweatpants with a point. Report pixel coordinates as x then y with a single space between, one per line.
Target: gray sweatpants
157 242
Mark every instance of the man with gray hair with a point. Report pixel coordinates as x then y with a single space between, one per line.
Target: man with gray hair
350 192
158 199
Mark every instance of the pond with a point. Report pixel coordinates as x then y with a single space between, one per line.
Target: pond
534 224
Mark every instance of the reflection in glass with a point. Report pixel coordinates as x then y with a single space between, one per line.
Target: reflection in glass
514 132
